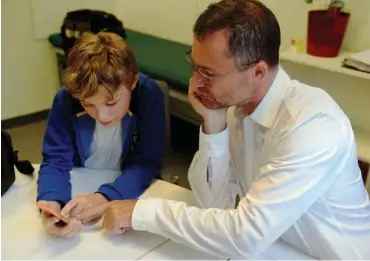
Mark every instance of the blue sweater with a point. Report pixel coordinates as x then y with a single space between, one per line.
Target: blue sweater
69 135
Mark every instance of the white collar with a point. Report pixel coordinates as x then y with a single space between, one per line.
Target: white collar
268 108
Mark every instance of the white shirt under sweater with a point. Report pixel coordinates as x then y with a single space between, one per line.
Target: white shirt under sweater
106 148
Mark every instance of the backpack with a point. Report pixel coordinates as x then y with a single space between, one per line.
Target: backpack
80 21
9 159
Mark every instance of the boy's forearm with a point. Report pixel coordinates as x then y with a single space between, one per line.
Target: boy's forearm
54 185
131 184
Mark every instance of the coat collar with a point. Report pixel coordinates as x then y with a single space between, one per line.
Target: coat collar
266 111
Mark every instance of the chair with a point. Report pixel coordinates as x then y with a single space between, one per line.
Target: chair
164 88
167 146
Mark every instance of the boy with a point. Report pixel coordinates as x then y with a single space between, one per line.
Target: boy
107 116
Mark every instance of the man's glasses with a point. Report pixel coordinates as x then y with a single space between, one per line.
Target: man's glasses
212 76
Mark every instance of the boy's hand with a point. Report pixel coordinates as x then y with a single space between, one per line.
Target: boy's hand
50 222
81 203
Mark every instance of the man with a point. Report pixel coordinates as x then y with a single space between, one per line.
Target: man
285 148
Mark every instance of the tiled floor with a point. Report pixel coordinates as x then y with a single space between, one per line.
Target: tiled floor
28 141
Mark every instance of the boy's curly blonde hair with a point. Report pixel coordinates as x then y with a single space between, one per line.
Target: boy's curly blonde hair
103 60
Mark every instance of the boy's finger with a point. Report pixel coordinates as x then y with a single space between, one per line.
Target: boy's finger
93 212
51 227
50 219
77 209
66 211
73 233
64 231
73 227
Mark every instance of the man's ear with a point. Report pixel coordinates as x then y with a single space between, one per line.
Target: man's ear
136 79
260 70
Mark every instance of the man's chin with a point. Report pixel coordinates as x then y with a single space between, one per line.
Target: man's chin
213 105
210 103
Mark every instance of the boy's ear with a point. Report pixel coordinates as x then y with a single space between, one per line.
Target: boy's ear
136 79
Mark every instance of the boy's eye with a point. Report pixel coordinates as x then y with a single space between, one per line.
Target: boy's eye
111 104
86 104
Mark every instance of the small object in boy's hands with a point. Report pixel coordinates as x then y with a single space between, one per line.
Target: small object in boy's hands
54 213
61 223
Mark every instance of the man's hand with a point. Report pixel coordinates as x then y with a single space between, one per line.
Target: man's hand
118 215
82 203
214 117
52 226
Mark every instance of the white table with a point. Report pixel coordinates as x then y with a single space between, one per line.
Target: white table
24 238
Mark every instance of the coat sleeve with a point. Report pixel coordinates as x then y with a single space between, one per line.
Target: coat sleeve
298 172
58 152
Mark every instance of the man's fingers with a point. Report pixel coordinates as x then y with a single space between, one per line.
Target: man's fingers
113 225
106 224
119 231
110 229
93 212
66 211
196 82
109 223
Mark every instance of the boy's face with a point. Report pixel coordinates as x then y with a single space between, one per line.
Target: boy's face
106 109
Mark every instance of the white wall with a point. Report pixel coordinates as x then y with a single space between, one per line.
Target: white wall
169 19
173 19
29 75
29 71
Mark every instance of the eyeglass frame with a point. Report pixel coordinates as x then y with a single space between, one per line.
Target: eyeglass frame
194 67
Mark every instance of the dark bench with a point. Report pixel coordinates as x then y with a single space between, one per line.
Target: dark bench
161 59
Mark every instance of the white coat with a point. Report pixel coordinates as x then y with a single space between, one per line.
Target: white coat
293 163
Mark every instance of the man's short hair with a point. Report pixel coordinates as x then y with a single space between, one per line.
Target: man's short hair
103 60
252 29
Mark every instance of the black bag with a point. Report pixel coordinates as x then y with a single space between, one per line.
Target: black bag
80 21
9 159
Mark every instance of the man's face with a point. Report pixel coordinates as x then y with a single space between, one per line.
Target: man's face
227 85
108 109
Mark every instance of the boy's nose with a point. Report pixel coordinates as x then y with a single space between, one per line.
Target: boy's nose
103 114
